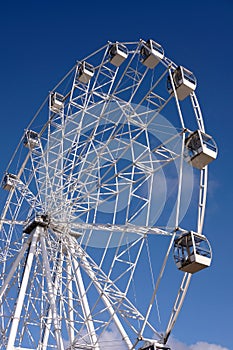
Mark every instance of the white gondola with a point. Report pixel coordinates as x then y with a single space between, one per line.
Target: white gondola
201 149
184 82
85 72
9 181
192 252
56 102
118 54
31 139
151 53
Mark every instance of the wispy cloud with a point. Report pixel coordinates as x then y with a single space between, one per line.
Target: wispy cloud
177 345
206 346
111 339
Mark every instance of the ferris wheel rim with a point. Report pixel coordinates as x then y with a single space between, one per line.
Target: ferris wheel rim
144 229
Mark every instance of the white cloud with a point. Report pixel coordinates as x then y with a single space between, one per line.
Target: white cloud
111 339
177 345
206 346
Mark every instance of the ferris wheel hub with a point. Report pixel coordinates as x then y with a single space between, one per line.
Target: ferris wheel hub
151 345
37 220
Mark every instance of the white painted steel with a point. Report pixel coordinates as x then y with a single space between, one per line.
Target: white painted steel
20 299
109 172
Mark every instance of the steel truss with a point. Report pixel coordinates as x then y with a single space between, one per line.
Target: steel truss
72 281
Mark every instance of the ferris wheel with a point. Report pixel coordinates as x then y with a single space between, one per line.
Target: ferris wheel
103 204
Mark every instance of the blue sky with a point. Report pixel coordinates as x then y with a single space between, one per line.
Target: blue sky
41 40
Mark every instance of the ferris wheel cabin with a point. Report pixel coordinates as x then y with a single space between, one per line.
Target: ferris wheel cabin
201 149
118 54
31 139
56 102
8 181
85 72
151 53
184 82
192 252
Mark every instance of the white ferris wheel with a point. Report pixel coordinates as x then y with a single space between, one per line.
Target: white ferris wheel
103 205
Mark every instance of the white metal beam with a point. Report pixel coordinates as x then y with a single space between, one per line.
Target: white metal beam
70 301
106 301
129 228
22 292
85 305
48 323
51 294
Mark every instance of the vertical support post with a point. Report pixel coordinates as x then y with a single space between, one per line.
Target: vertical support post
48 324
23 288
85 307
47 330
70 301
51 296
104 297
14 266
